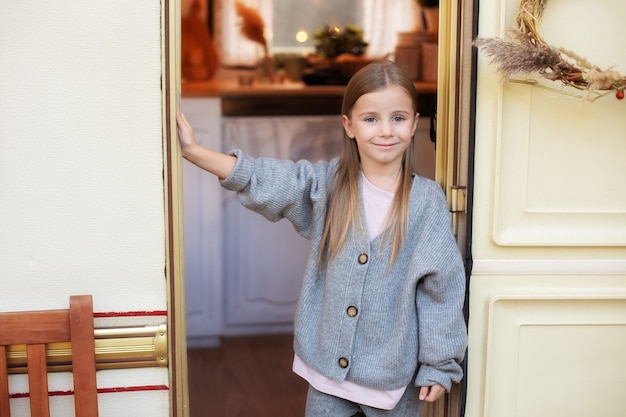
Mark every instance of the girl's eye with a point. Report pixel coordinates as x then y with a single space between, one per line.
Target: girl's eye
398 118
370 119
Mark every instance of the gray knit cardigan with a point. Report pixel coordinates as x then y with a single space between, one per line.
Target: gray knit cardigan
357 318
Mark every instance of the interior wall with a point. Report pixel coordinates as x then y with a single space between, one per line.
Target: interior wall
81 174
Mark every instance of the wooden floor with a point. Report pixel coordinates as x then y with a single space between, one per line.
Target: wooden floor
246 377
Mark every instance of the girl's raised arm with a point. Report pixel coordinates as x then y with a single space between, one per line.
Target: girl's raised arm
216 163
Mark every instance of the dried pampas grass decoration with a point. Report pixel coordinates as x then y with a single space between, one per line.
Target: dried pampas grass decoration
526 52
252 25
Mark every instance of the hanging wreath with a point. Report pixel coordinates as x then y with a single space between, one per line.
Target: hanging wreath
526 52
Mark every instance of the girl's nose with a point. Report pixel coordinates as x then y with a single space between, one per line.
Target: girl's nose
384 129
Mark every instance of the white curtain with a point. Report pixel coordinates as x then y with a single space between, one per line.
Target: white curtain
382 21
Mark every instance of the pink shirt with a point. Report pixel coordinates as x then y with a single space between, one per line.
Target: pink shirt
376 203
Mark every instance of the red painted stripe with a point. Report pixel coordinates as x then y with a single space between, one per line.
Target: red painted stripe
100 391
133 389
130 313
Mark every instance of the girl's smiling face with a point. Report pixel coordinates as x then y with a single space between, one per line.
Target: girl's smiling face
382 123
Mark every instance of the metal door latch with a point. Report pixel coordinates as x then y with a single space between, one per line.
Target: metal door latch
458 199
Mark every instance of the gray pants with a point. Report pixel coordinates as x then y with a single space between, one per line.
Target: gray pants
319 404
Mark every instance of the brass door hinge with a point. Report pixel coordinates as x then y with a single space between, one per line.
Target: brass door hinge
458 204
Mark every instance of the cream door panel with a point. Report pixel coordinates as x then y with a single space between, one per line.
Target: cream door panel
553 166
546 351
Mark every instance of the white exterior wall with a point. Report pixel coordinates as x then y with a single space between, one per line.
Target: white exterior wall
81 174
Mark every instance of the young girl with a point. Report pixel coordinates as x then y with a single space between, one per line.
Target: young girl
379 326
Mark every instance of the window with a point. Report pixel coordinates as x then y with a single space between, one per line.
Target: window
381 21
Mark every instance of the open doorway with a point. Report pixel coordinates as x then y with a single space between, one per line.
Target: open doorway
433 172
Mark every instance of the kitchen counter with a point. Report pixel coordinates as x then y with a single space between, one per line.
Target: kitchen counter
286 98
219 88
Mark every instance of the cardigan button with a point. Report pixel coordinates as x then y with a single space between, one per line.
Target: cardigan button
352 311
363 258
343 362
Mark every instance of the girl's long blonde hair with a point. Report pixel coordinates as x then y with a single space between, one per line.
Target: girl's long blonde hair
344 211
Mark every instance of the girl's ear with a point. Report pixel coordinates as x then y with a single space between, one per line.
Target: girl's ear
347 126
415 120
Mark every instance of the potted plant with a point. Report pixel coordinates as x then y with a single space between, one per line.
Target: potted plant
343 50
332 41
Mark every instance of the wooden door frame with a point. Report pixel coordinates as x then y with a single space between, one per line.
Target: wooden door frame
173 194
456 98
455 104
455 136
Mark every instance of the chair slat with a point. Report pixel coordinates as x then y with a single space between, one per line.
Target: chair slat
83 356
5 410
38 380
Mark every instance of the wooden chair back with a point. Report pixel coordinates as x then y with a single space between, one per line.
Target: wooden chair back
36 328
